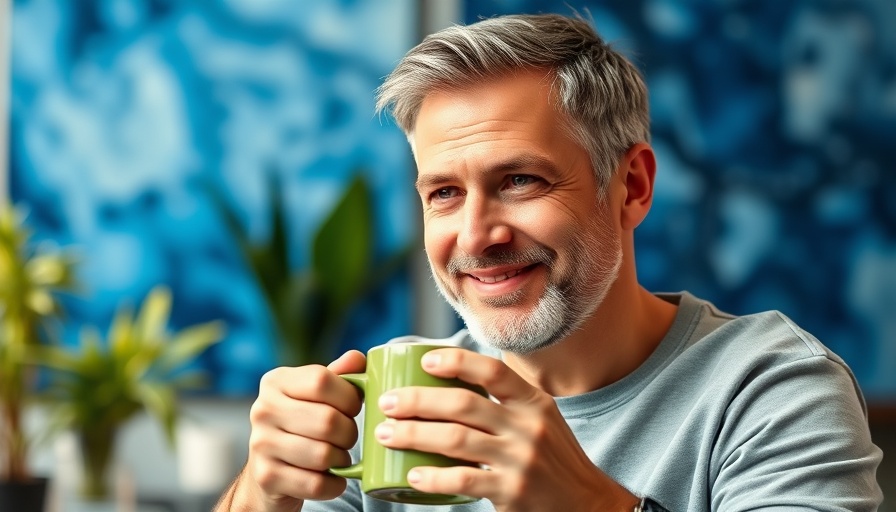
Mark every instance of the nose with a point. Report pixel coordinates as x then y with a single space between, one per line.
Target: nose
484 225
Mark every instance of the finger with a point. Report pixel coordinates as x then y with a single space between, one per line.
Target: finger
450 439
492 374
297 450
313 383
279 479
447 404
307 419
349 362
463 480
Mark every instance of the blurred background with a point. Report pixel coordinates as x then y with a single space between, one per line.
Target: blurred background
228 150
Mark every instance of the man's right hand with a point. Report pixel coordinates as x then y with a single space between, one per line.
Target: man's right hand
302 425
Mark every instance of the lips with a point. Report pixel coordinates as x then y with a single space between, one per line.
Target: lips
496 275
500 277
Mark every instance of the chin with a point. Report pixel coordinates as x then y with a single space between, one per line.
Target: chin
523 332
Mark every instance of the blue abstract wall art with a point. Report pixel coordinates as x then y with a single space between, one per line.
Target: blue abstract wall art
121 109
775 129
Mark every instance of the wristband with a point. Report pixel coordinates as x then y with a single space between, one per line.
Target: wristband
648 505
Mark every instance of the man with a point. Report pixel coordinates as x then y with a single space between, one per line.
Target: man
534 168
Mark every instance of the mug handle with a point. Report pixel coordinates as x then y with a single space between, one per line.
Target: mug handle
359 380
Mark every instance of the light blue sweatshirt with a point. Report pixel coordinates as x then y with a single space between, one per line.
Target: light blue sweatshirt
728 414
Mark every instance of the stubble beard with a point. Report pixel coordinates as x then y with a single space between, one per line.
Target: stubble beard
569 299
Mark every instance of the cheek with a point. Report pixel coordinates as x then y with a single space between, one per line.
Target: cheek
438 240
549 224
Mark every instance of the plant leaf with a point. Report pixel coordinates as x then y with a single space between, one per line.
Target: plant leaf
161 402
189 343
153 317
343 245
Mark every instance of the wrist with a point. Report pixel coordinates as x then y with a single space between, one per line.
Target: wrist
246 496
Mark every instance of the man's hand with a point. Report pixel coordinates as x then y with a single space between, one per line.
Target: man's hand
530 458
302 425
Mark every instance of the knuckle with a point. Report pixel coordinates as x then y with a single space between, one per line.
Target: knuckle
465 480
269 377
316 378
329 421
259 444
260 413
317 456
496 374
456 438
538 430
264 474
466 403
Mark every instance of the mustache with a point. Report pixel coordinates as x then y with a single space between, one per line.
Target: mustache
529 256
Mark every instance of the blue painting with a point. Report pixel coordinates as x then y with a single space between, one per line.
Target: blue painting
122 111
775 129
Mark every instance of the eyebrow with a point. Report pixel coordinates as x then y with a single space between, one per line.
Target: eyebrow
525 161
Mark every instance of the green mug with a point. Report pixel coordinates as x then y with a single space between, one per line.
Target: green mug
383 471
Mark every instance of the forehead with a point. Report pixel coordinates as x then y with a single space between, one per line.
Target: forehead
512 112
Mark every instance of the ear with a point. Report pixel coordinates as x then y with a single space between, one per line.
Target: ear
637 170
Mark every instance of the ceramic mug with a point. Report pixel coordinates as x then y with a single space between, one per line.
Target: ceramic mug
383 471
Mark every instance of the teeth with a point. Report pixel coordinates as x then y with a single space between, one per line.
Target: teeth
499 278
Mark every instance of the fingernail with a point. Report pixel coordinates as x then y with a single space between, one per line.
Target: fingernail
431 360
383 431
414 476
388 402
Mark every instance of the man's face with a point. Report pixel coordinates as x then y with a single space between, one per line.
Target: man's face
517 238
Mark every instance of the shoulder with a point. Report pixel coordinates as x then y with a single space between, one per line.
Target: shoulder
767 336
739 355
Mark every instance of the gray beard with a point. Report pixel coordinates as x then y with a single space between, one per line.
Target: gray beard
568 300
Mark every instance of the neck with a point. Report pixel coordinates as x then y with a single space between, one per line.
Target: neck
620 335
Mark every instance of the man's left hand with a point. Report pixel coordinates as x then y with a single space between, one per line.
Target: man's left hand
530 459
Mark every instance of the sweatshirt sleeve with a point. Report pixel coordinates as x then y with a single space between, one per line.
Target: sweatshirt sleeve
796 437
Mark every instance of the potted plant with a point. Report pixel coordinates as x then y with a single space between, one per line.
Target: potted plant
140 366
32 275
310 305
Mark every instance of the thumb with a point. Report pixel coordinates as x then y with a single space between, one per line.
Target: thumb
350 362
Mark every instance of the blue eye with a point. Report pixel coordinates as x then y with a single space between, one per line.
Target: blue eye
445 193
520 180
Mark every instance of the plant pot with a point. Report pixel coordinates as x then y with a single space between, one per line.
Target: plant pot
27 496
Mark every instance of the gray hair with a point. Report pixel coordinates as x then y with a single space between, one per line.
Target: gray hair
599 92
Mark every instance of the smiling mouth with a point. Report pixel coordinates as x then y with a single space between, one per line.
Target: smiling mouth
501 277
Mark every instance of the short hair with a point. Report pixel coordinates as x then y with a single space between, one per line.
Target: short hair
599 92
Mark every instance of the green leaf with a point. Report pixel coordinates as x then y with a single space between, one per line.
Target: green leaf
228 213
343 245
193 379
189 343
52 357
153 317
121 333
278 253
161 402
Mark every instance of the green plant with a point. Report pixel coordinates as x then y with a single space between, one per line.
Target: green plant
32 275
139 367
309 306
